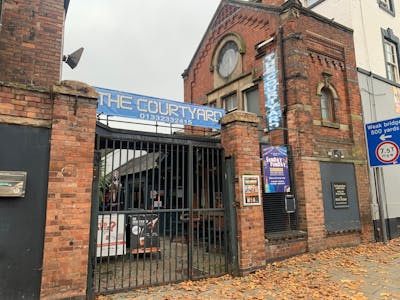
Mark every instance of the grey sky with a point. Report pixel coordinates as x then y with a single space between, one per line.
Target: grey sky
136 46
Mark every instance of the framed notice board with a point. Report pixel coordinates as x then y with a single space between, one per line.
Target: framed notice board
251 190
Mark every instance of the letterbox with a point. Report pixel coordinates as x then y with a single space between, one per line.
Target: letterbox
12 183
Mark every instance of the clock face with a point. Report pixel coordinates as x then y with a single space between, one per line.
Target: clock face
228 58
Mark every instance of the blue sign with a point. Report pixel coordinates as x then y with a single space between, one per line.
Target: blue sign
276 169
122 104
383 140
271 92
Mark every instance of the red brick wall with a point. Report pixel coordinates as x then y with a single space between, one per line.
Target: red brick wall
25 104
343 240
323 48
31 41
285 248
312 47
69 195
71 114
253 26
238 135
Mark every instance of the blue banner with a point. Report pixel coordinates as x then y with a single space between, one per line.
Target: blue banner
271 92
276 169
122 104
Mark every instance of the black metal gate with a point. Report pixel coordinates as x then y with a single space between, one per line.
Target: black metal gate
158 210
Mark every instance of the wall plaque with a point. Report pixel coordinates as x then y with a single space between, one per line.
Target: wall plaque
340 197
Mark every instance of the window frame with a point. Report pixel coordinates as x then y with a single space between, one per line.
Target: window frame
387 5
389 38
224 101
1 13
244 94
330 105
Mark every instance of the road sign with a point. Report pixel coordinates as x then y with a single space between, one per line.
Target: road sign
383 140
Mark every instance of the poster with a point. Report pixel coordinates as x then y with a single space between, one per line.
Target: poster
111 239
144 233
251 190
276 169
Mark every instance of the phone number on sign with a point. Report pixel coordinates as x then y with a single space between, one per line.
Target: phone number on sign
165 119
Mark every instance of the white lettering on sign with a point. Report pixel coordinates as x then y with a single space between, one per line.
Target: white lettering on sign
271 91
123 104
156 107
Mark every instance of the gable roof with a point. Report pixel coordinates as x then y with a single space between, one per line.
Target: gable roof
257 6
234 3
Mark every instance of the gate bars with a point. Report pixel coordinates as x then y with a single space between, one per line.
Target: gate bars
158 212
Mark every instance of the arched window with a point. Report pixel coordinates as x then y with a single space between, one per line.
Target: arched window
327 105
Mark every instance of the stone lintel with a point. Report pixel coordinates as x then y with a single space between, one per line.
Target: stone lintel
75 88
239 116
25 121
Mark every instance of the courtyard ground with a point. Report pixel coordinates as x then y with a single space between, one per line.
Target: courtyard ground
368 271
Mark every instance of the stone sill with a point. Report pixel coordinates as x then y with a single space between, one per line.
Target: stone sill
330 124
285 235
342 232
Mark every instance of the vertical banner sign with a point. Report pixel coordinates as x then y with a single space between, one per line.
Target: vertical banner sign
271 92
276 169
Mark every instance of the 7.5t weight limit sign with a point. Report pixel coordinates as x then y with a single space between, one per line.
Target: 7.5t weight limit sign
387 152
383 139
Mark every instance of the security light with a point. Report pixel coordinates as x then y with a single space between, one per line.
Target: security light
72 60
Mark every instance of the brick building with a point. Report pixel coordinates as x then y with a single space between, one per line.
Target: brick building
47 132
254 55
287 77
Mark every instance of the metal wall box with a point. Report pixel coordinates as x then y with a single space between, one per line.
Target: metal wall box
290 203
12 183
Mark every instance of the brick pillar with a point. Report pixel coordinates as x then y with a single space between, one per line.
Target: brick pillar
240 139
314 207
65 258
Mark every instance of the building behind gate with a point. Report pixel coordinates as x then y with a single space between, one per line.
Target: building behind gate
287 80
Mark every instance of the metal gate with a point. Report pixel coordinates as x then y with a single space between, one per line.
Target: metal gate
158 210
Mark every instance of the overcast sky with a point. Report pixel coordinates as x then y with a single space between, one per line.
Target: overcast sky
136 46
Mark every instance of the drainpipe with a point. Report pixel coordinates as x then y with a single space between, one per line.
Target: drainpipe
284 88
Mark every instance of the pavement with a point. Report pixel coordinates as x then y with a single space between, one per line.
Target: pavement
367 271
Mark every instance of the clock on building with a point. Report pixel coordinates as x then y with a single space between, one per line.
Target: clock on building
228 58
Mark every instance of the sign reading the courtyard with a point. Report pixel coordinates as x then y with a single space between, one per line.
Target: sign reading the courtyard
383 139
122 104
276 169
340 198
271 92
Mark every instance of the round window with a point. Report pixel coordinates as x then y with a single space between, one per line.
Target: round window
228 58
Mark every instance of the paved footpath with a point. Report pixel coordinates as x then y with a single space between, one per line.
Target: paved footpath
368 271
